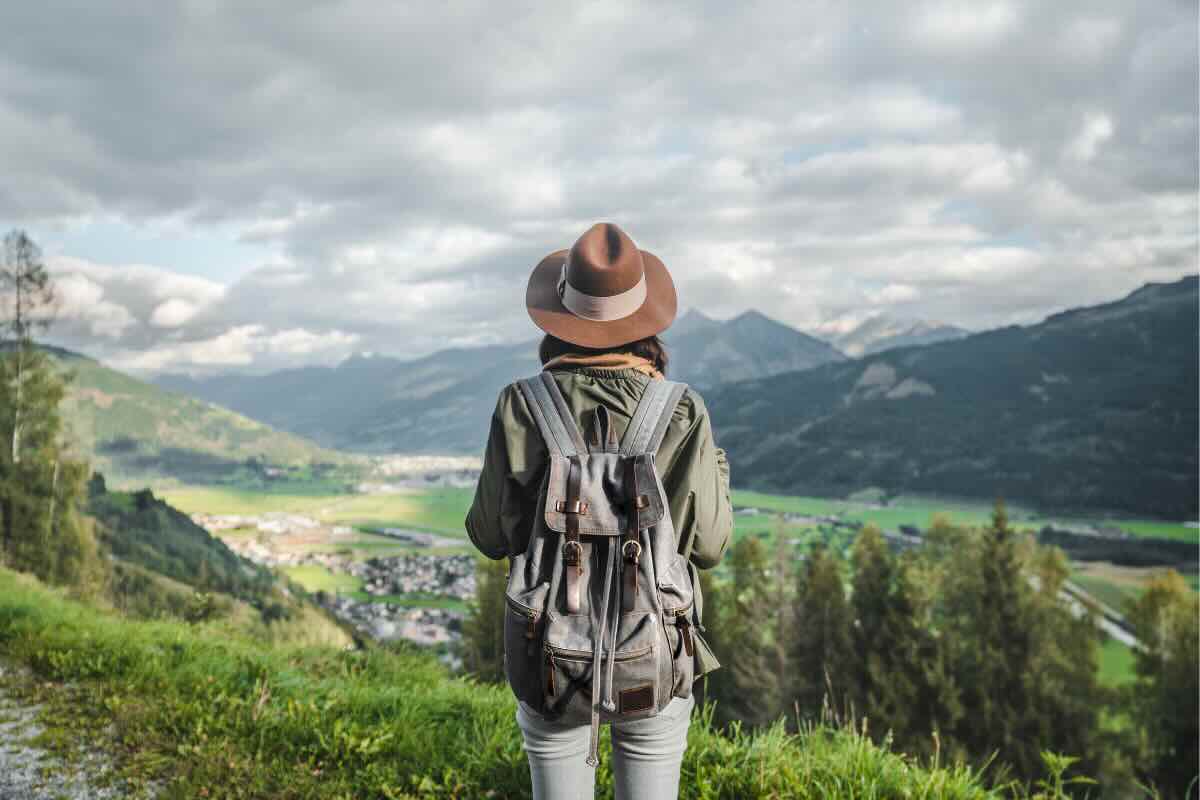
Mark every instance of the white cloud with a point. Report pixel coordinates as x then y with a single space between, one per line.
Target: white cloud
239 347
999 159
172 313
83 301
893 294
1095 131
957 24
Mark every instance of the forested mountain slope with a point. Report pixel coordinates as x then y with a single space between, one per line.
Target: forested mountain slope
1092 408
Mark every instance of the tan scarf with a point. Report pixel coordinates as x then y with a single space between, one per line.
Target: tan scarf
606 361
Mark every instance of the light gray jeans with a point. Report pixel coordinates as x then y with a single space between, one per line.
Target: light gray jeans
646 755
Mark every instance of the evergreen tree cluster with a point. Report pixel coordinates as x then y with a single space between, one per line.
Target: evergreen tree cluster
961 648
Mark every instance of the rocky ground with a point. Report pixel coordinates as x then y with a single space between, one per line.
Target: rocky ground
28 772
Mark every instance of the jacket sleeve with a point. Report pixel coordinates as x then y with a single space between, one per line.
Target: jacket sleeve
697 481
501 515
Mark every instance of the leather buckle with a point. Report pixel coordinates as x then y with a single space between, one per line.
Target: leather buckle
572 553
637 550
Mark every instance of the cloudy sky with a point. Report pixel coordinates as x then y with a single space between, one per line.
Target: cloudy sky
249 185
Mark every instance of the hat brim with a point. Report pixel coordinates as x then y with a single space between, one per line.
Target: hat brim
547 311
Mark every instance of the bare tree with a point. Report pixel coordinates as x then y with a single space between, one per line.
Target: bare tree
29 300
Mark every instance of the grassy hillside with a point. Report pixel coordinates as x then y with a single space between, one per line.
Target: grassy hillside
135 431
209 713
1093 408
139 528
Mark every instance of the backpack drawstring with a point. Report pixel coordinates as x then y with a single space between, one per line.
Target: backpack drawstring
609 705
593 758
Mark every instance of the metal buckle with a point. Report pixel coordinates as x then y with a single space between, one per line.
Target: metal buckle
637 552
572 560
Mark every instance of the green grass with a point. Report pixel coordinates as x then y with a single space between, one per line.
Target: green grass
439 511
210 714
317 579
1114 595
915 510
1161 530
1116 663
230 500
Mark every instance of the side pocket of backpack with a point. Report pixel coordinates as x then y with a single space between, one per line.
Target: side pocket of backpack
681 641
522 651
524 627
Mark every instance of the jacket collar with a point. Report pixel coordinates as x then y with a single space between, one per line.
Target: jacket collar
605 363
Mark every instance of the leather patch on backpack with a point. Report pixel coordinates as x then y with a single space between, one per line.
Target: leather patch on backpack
638 698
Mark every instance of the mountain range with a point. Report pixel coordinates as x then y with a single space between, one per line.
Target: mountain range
443 402
705 352
881 332
1092 408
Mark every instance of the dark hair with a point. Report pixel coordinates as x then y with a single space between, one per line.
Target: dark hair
651 348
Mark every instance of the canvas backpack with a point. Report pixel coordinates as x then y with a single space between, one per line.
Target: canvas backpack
600 622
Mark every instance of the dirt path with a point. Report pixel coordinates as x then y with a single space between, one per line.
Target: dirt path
27 772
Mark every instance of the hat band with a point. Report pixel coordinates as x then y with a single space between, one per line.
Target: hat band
598 308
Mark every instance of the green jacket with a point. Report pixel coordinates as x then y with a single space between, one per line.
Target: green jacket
694 472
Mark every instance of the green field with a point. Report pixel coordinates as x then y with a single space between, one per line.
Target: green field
1116 663
439 511
1162 530
318 579
919 511
442 510
1110 592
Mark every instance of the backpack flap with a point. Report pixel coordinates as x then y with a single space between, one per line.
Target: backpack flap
602 494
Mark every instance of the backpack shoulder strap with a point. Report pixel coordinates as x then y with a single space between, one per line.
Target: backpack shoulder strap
553 417
653 415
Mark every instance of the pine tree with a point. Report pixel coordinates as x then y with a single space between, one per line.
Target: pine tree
714 604
483 628
872 606
1023 665
901 684
783 584
26 287
1065 692
821 655
747 688
992 646
42 527
934 705
1163 700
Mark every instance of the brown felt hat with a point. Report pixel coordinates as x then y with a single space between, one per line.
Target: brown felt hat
603 292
